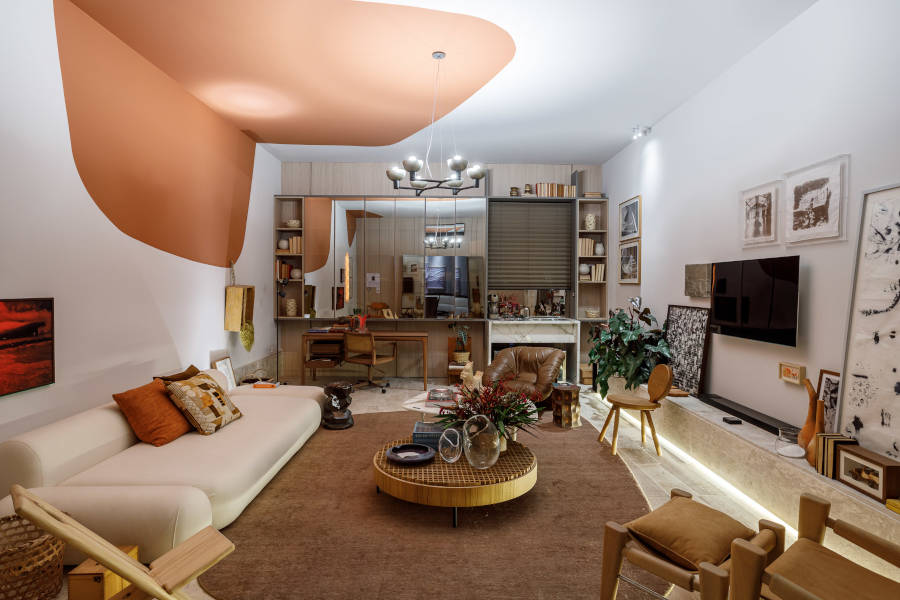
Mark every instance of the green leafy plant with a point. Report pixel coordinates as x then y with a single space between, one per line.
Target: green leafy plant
629 346
505 408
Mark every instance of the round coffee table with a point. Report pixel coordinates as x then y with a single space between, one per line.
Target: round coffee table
438 483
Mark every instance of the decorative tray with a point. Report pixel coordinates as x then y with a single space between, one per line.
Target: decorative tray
409 454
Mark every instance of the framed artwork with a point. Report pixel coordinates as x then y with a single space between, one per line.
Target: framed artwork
868 408
687 333
759 211
630 262
698 280
868 472
224 365
815 201
630 219
829 389
26 344
791 373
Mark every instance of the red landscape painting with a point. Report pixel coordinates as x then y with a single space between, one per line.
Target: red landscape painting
26 344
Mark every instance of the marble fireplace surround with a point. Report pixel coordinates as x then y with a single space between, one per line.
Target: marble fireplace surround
536 331
744 455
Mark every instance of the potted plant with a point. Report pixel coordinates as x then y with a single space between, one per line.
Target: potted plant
507 409
629 346
461 353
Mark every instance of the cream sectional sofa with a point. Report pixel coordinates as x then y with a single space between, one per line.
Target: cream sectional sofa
93 467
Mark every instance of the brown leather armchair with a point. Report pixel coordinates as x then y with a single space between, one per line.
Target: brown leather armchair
526 369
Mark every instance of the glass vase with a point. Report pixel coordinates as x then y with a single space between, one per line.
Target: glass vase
481 442
450 446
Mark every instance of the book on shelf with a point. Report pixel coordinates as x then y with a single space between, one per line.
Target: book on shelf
586 246
599 195
295 244
826 451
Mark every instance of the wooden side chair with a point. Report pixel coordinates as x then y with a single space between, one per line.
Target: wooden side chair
684 542
657 388
810 571
359 348
162 580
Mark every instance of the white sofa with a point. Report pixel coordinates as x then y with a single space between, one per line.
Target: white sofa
93 467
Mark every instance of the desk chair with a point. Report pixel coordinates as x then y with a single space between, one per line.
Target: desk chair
166 576
810 571
657 388
359 348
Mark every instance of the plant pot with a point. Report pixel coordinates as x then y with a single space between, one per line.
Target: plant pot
513 432
461 357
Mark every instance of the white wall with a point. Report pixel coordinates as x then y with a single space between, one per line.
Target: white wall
828 83
123 310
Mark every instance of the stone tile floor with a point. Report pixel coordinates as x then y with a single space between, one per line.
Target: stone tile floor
656 475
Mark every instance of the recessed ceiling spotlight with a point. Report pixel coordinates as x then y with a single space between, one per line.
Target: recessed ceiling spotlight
639 131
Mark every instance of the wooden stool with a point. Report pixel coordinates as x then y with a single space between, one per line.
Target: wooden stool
566 407
657 388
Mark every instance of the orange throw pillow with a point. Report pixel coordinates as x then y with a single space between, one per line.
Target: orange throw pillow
151 414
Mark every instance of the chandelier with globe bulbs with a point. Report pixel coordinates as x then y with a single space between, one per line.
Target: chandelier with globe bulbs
422 181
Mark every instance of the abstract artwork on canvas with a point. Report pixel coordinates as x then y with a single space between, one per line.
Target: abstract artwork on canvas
870 407
26 344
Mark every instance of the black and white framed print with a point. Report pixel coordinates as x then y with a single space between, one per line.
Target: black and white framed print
630 219
759 214
869 410
687 332
814 202
630 262
829 388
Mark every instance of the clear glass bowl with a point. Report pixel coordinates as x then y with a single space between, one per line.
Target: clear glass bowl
481 442
450 446
786 442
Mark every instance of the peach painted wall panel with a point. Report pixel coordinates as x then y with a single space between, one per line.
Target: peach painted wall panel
161 165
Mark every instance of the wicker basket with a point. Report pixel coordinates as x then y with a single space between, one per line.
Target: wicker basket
30 561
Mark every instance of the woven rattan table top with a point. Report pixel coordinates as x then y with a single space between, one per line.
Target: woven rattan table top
517 461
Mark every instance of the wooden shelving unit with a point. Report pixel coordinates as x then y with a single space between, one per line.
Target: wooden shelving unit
592 294
288 208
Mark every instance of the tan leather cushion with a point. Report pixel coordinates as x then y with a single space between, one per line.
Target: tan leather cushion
151 414
688 532
829 575
186 374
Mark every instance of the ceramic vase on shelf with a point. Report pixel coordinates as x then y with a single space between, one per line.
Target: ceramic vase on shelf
283 244
819 428
296 273
806 432
599 249
590 221
584 269
481 442
290 308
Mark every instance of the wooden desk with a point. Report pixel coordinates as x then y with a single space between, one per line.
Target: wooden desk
380 336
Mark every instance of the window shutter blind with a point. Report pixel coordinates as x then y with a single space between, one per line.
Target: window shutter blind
530 245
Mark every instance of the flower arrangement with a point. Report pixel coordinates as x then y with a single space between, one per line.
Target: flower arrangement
507 409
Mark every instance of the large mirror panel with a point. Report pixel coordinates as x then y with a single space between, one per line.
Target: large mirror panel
409 248
378 272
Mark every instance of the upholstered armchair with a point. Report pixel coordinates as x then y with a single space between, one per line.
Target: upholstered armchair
526 369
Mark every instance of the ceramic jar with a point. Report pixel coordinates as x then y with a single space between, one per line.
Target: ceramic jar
599 249
296 273
584 269
283 244
590 221
290 307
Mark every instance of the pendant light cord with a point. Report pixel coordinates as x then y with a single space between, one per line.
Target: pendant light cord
437 72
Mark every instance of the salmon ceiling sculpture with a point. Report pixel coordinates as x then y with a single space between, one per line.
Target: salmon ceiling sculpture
167 98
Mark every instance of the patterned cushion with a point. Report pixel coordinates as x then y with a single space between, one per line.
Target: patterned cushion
206 406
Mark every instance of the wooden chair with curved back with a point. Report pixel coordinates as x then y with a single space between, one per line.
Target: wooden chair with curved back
657 388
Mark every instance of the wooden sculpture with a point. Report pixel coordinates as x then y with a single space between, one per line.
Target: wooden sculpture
807 431
819 427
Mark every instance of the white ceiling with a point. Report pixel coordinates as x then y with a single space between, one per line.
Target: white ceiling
584 72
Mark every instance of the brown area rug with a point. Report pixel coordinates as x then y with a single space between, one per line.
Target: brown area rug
319 530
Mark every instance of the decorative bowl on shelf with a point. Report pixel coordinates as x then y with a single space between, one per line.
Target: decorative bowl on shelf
292 223
786 442
592 313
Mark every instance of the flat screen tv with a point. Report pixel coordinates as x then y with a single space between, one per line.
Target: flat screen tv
756 299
